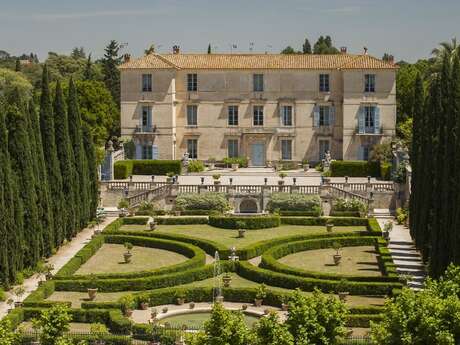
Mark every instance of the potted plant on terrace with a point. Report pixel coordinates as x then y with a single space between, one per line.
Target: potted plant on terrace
282 175
387 228
261 293
342 290
180 297
127 305
216 178
284 303
212 163
305 165
241 230
92 290
123 206
337 257
169 177
329 225
127 255
153 313
227 279
19 292
144 304
10 303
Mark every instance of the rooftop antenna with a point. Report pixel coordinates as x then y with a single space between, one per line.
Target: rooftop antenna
123 45
269 46
251 46
232 46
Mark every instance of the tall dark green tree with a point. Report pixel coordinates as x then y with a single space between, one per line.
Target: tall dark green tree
306 47
110 64
455 94
93 186
11 213
22 166
51 159
88 71
80 162
66 161
45 211
209 48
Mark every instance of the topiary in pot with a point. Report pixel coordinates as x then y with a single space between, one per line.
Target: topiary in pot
127 256
92 290
337 257
282 175
261 293
342 290
216 178
241 230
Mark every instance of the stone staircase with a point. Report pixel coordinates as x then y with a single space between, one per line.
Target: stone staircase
405 256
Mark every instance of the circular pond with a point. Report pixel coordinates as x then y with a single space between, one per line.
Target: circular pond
196 319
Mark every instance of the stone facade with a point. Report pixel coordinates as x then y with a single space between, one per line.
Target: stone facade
286 108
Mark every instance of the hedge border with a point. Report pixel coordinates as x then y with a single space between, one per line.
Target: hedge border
250 222
270 258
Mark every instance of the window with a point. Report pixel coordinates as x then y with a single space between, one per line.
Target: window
232 148
146 151
147 83
258 82
146 118
323 148
233 115
324 82
286 115
192 115
366 152
192 148
369 83
258 119
192 82
286 149
324 115
369 119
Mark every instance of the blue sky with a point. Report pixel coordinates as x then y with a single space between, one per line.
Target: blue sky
408 29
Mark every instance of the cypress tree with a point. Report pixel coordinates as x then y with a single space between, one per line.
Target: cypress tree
80 162
67 164
43 189
110 64
90 152
455 94
51 160
22 166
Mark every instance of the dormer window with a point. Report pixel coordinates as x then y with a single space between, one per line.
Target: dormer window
192 82
369 83
146 83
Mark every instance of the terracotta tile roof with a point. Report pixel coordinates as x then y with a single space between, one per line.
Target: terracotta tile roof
257 61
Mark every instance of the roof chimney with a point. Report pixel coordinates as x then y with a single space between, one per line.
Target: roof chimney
176 49
126 57
343 50
365 50
391 59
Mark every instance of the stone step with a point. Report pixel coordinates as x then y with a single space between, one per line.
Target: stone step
413 284
408 264
410 271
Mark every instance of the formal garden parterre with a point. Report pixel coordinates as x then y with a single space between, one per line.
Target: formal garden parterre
104 297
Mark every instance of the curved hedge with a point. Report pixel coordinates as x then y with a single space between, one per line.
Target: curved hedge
270 258
181 220
288 281
250 222
196 255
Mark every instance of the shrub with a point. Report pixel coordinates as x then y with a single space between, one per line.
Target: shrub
294 202
205 201
241 161
181 220
146 208
355 168
401 215
256 222
123 169
2 295
349 205
195 166
385 171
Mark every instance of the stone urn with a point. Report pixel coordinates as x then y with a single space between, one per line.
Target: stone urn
337 259
329 227
192 305
258 302
92 294
343 296
220 299
284 306
306 167
153 314
227 279
164 310
152 226
244 306
127 257
144 305
180 301
128 313
235 166
241 233
280 182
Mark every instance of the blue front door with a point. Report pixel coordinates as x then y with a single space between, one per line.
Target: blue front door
258 154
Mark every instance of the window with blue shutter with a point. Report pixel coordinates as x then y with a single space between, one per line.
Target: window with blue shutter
146 119
316 116
361 153
332 115
138 151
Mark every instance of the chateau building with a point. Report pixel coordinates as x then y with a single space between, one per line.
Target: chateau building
265 107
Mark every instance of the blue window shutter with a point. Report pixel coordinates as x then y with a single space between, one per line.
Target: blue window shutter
138 151
361 153
155 152
377 120
316 116
361 120
332 115
150 119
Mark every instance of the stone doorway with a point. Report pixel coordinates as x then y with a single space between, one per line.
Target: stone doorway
258 154
249 206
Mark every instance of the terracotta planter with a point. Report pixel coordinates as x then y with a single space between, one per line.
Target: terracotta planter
329 227
127 257
227 280
164 310
180 301
128 313
258 302
241 233
343 296
92 294
284 306
191 305
244 306
337 259
144 305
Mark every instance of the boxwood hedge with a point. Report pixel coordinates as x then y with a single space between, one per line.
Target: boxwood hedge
181 220
248 222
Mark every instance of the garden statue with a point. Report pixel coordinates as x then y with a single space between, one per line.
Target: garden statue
327 160
185 161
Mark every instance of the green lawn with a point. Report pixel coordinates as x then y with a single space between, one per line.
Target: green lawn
230 238
75 327
109 259
361 260
197 319
76 298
